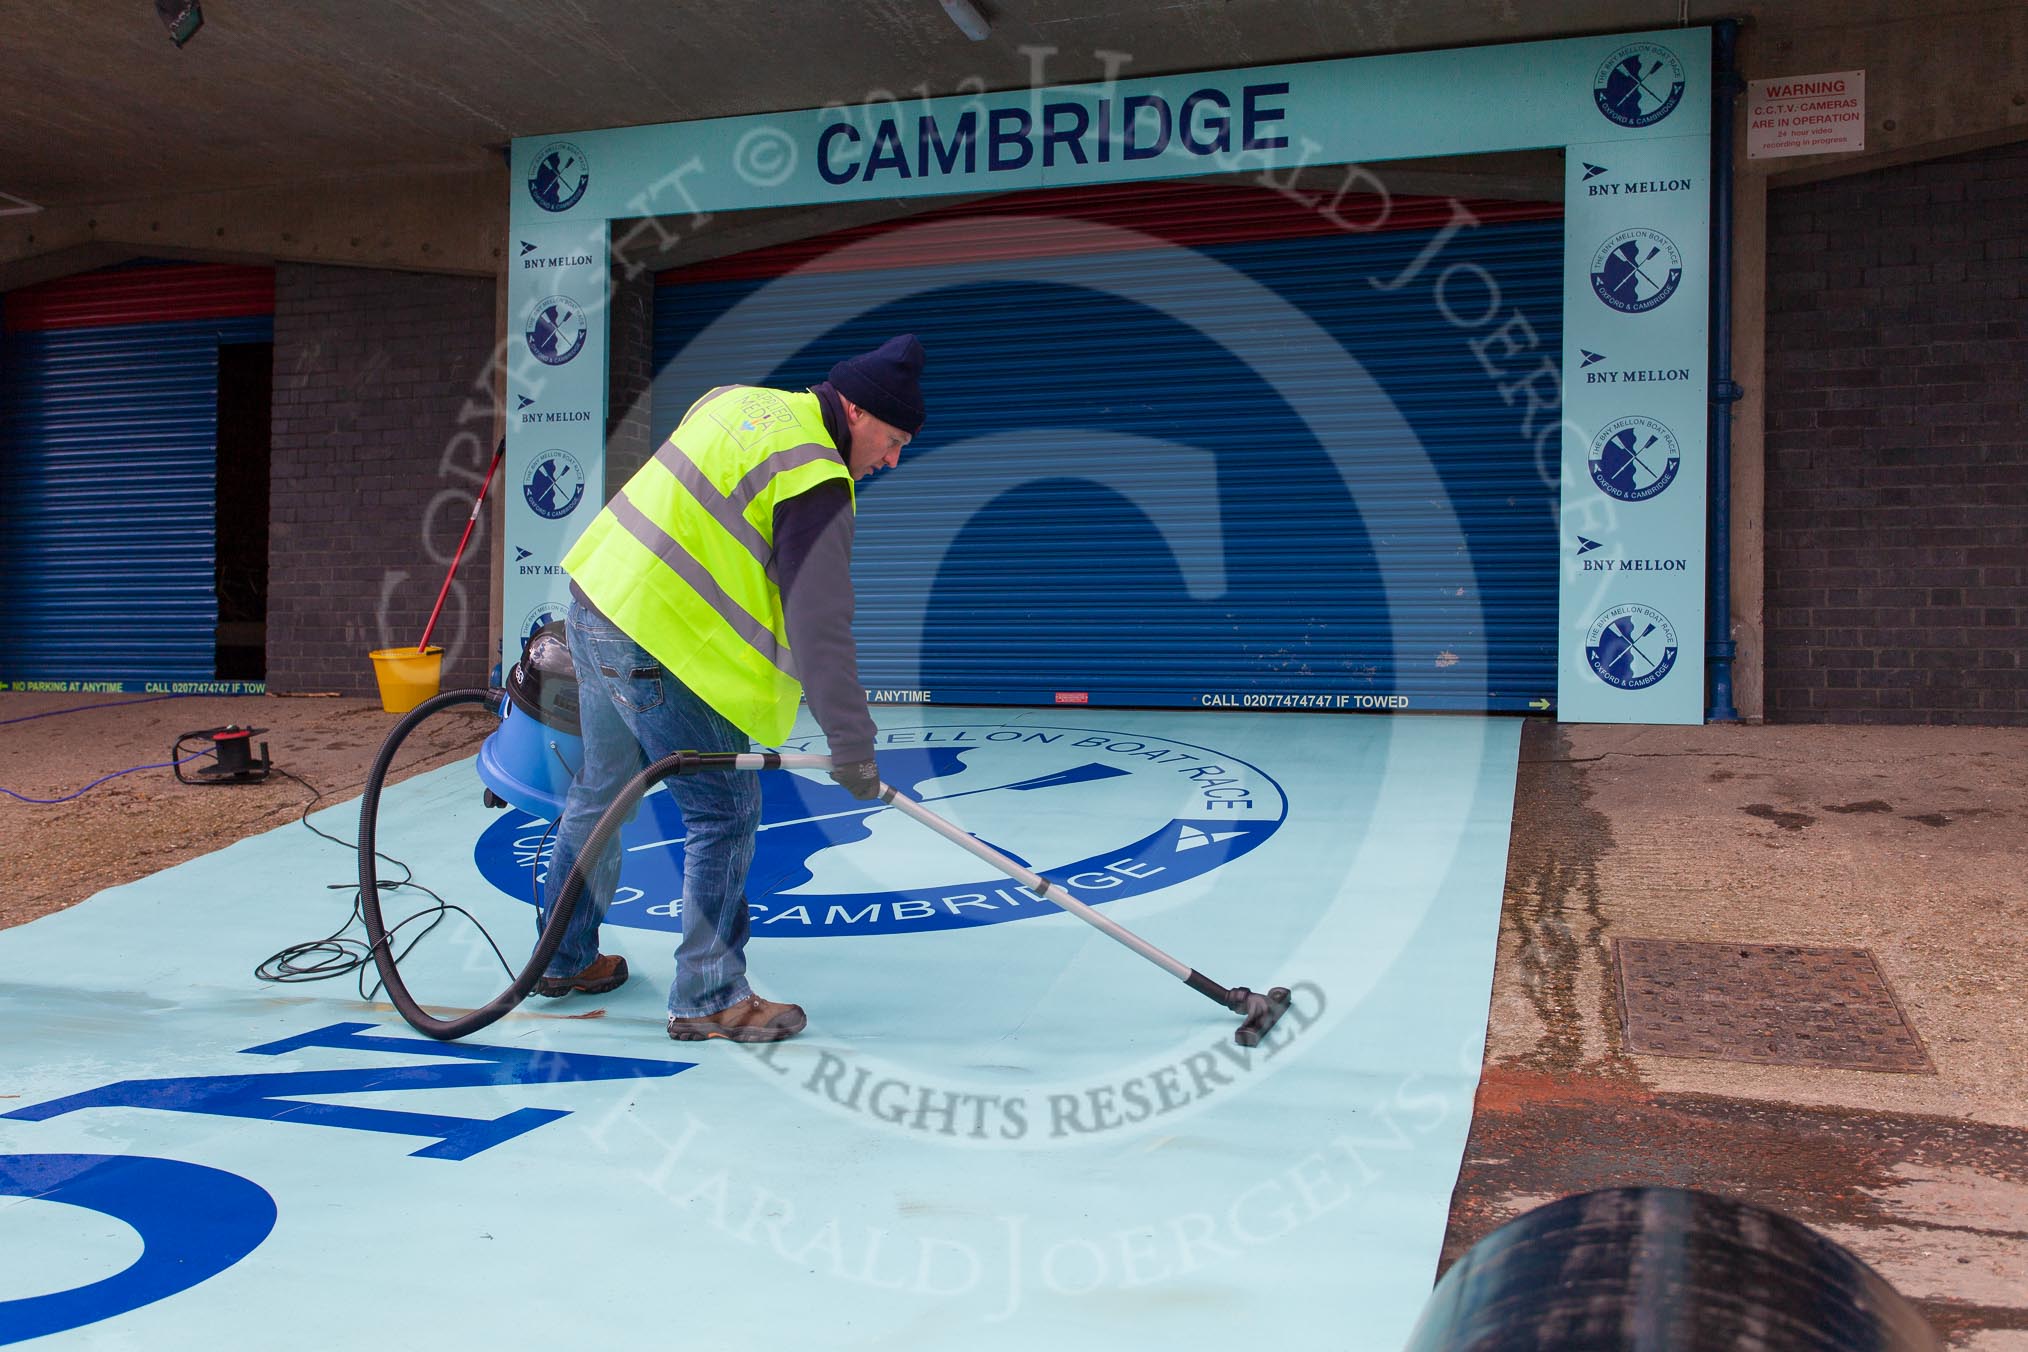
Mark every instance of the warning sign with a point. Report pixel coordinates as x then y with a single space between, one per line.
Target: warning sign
1806 114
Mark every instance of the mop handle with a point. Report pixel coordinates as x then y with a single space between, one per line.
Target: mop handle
1028 878
499 454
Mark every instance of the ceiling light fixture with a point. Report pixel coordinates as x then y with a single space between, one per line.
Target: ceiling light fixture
181 17
964 14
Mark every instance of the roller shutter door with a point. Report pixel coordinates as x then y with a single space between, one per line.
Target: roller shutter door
108 423
1263 470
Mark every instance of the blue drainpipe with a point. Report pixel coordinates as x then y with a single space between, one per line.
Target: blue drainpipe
1718 645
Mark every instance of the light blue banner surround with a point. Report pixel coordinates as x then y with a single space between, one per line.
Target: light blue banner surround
1636 319
1004 1136
558 293
1514 97
1636 106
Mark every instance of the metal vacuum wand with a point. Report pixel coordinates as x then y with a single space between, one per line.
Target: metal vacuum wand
1260 1012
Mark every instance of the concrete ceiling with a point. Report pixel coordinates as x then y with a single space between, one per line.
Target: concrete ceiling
104 109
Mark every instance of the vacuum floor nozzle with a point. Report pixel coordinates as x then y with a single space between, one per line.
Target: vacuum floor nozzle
1262 1013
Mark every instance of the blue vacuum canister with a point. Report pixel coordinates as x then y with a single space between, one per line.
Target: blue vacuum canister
531 757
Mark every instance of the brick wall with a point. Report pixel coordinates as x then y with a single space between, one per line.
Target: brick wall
630 374
1897 445
372 481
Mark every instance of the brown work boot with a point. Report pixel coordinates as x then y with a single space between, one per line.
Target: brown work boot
608 971
751 1020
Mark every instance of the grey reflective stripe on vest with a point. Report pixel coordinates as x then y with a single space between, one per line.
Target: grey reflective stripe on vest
781 462
702 400
715 504
729 510
664 546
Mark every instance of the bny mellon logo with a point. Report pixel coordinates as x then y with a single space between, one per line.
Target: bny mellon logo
1592 171
1590 358
527 248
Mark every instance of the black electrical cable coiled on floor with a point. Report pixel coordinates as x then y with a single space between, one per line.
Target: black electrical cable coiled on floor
378 938
551 936
335 954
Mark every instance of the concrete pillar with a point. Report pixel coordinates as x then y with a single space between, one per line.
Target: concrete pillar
1749 466
630 372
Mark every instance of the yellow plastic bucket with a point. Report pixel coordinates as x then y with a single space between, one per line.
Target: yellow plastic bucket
407 677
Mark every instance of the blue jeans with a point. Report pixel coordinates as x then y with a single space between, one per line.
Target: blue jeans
632 712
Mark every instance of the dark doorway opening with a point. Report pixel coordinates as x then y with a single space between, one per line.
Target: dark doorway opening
245 390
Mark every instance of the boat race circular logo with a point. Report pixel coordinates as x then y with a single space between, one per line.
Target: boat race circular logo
556 331
1634 459
1636 270
1639 85
538 616
1107 815
554 484
559 176
1631 647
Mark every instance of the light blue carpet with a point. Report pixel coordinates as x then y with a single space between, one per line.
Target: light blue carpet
1002 1130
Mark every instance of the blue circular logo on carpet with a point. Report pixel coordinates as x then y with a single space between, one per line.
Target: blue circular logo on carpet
1108 815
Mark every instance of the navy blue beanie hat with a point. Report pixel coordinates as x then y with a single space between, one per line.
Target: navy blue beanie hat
886 382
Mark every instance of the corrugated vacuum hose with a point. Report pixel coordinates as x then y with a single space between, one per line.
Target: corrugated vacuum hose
1259 1011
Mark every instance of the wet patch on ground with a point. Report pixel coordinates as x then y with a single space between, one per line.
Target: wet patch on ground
1948 815
1552 904
1787 821
1870 805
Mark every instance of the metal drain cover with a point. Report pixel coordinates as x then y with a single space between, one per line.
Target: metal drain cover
1776 1004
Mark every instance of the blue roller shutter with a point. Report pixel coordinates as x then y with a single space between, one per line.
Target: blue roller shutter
1111 506
109 432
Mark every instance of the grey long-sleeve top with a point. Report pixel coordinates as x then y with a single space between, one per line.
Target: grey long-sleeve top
812 565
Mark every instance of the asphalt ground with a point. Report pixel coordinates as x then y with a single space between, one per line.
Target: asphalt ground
1906 842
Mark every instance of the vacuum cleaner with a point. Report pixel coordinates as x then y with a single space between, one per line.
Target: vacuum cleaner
531 758
528 762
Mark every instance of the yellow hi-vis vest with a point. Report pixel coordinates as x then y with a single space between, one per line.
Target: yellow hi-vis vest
678 559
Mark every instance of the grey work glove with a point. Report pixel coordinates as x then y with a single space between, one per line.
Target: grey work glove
861 777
